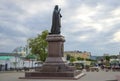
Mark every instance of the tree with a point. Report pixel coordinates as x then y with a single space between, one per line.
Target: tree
107 58
39 45
72 59
30 56
68 57
79 58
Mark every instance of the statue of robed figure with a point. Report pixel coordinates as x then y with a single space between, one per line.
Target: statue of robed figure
56 21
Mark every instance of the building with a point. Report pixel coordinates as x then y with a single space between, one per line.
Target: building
85 54
24 51
9 60
14 60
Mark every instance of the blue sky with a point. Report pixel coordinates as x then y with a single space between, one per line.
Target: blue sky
88 25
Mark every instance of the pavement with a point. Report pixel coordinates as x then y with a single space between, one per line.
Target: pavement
90 76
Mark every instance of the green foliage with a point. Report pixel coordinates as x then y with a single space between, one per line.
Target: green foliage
31 56
72 59
79 58
39 45
68 57
107 58
91 60
88 59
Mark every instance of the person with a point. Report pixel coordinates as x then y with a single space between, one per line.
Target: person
56 21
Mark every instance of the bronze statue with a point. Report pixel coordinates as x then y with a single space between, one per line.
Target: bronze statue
56 21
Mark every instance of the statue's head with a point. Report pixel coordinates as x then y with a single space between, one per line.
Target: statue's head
56 7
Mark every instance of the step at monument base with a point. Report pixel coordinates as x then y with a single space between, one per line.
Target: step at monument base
53 75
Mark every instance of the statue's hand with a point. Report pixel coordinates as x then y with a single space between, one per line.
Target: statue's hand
59 10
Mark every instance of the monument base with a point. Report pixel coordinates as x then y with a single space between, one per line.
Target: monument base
53 75
55 65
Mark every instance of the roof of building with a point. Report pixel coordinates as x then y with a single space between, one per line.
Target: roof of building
5 57
9 54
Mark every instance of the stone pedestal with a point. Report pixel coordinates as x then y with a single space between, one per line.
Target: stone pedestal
55 66
55 45
55 60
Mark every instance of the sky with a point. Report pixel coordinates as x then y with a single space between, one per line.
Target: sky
87 25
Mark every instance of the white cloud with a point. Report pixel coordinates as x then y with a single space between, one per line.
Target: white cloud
91 17
84 18
84 12
88 22
61 3
82 38
6 42
116 12
116 37
32 8
22 29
